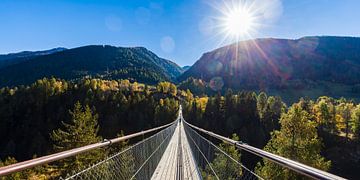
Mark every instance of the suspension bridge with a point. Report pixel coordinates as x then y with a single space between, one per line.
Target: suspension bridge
178 150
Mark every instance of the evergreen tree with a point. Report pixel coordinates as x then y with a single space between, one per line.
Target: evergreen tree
261 104
355 122
81 131
271 113
298 140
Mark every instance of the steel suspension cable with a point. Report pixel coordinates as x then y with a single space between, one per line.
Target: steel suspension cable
227 155
206 159
137 161
287 163
69 153
151 155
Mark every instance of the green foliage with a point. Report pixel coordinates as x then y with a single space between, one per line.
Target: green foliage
196 86
167 88
13 176
82 130
270 109
166 111
29 114
344 117
261 104
298 140
355 121
224 167
325 114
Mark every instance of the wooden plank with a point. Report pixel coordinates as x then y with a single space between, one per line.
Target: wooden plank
168 165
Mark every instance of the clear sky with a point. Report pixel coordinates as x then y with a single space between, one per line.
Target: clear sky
179 30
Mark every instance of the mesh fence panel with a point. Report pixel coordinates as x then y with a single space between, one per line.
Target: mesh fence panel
213 162
138 161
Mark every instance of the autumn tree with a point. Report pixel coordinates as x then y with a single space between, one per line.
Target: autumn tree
324 115
344 117
297 140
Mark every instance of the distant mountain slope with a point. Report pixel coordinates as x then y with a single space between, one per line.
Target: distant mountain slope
310 66
98 61
14 58
185 68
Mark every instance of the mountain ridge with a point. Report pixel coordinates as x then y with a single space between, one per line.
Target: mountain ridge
275 65
18 57
104 61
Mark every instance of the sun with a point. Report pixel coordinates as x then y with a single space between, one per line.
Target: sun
238 22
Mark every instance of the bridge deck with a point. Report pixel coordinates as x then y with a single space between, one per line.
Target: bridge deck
168 166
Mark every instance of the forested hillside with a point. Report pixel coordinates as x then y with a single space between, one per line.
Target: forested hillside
309 66
323 133
15 58
107 62
41 116
39 119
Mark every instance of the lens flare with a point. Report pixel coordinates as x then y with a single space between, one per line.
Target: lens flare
238 22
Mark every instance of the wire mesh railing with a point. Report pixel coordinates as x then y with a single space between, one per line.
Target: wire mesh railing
138 161
300 168
214 162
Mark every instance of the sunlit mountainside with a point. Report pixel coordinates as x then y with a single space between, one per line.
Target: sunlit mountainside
309 66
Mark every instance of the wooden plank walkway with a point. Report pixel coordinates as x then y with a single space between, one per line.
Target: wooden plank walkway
168 165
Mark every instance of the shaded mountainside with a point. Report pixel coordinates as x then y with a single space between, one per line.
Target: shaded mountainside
185 68
15 58
107 62
310 66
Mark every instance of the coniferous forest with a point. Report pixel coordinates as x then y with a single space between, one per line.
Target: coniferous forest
39 119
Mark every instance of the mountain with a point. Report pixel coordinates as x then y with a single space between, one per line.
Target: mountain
185 68
107 62
14 58
309 66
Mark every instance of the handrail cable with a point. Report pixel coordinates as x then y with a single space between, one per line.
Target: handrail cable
112 156
287 163
227 155
69 153
207 161
151 155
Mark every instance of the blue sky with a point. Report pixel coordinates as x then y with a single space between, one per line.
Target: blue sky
173 29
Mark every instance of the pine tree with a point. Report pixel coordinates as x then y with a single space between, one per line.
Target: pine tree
261 104
298 140
81 131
